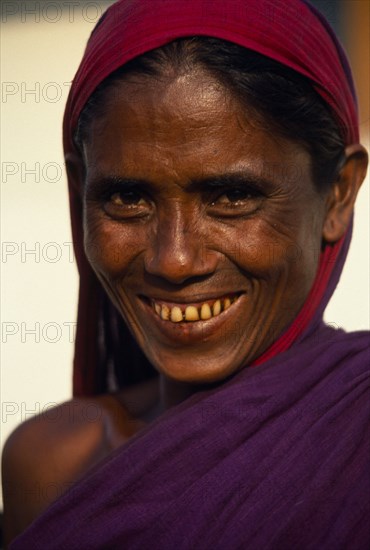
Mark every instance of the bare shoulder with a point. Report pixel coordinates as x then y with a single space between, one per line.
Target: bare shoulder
45 455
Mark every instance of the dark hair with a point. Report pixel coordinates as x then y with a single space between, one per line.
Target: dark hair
277 95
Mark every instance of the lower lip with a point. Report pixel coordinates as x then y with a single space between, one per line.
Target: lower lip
193 331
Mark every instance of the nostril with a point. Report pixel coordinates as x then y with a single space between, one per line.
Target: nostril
178 267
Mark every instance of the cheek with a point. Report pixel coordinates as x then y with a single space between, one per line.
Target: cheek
110 247
269 250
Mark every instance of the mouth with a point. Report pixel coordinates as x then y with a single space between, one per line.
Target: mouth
193 312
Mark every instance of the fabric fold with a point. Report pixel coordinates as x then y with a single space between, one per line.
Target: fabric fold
269 460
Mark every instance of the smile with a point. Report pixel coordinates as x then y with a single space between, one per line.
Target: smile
193 312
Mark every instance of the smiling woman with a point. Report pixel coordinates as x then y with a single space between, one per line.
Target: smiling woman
179 170
213 169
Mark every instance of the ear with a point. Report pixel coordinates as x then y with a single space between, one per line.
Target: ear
76 172
343 193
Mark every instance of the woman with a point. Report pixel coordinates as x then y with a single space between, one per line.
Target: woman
213 163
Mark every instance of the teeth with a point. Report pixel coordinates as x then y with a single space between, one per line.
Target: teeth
165 313
205 312
176 315
191 314
216 310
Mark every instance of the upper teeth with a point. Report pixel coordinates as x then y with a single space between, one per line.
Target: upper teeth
205 311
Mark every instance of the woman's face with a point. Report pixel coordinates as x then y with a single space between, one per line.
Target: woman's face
204 227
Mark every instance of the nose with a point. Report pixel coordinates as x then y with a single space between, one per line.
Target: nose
177 250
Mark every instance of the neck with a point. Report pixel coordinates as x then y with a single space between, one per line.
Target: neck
171 393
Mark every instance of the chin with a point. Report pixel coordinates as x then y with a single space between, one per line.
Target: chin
188 367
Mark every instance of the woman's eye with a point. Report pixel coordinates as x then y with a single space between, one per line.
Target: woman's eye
235 196
236 201
126 204
126 199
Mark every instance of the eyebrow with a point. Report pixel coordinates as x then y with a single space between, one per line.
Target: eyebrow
232 179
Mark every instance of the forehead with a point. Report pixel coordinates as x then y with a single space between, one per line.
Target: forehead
189 124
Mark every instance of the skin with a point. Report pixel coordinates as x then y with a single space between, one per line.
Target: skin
217 205
260 238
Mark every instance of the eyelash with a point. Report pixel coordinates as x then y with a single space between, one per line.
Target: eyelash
246 203
131 197
243 194
125 195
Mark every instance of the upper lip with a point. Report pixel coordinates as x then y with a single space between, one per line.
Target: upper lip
194 298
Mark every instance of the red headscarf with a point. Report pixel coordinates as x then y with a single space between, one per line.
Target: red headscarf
291 32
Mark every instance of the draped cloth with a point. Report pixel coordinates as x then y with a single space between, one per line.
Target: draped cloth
276 457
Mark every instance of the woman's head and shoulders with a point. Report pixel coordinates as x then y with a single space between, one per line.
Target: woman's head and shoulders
208 198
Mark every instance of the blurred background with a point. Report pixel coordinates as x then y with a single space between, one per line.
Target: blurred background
41 46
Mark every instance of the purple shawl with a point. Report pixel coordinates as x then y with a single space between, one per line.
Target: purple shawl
277 457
